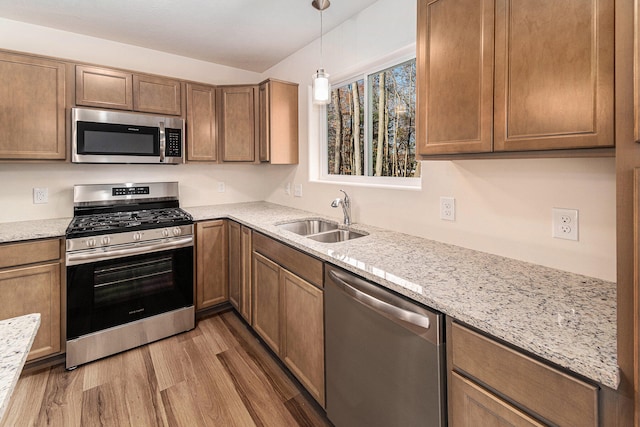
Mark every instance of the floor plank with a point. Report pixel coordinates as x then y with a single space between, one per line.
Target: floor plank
219 374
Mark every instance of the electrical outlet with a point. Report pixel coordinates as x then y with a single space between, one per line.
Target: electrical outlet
287 189
564 223
221 187
40 195
297 190
448 208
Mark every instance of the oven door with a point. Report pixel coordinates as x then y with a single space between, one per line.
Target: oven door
103 294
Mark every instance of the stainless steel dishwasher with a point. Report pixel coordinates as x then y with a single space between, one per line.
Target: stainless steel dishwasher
385 359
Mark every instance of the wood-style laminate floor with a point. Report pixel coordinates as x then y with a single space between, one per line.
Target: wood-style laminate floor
215 375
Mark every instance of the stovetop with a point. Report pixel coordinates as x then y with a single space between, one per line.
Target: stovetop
117 222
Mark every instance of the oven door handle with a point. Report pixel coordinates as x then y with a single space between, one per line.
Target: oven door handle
93 256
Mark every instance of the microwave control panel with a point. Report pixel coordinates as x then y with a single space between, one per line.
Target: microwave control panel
174 143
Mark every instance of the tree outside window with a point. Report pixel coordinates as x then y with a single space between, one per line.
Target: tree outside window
371 125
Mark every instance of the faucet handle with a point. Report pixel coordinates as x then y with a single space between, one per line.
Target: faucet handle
346 196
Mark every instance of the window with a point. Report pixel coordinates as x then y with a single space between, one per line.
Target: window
370 126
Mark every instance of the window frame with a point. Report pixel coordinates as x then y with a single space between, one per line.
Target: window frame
320 172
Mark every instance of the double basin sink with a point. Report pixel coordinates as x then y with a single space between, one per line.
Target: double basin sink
321 230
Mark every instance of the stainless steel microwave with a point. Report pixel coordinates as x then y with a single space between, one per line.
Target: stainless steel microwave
101 136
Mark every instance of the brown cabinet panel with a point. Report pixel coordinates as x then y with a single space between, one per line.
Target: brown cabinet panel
103 87
32 108
303 332
237 133
16 254
554 75
235 264
159 95
202 143
455 76
266 300
212 263
545 391
246 251
472 405
278 122
34 289
305 266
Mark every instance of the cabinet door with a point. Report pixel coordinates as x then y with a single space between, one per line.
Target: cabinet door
34 289
32 108
158 95
266 300
212 263
235 264
279 123
104 88
201 124
237 124
303 332
454 76
472 405
246 249
554 74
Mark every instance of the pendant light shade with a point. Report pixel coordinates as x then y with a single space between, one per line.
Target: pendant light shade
321 86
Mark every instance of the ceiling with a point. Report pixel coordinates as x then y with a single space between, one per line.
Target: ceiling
251 35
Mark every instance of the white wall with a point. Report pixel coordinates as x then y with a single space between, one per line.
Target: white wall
502 206
198 183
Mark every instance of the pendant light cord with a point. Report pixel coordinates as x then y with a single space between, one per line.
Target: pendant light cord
321 54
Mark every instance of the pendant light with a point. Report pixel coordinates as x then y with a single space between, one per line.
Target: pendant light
321 87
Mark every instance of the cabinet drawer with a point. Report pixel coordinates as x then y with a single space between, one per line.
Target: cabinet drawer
543 390
15 254
303 265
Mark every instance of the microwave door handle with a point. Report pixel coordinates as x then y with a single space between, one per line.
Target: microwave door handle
163 142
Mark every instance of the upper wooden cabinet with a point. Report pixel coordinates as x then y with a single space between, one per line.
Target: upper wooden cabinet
32 108
498 75
237 123
278 122
202 145
107 88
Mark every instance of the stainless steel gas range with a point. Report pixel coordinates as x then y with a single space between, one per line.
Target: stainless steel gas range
129 258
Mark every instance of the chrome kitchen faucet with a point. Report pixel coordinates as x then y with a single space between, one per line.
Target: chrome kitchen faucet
346 207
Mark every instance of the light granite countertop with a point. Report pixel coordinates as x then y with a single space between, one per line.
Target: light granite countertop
564 318
16 335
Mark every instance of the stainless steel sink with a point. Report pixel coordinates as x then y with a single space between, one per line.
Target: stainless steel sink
320 230
306 227
336 236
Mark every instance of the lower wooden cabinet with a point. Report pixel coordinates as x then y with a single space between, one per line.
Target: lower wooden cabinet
240 269
212 263
482 369
288 309
30 282
473 405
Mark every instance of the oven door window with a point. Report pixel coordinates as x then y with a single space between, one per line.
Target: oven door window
114 139
109 293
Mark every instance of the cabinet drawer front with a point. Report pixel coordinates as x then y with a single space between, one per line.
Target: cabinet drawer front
15 254
303 265
545 391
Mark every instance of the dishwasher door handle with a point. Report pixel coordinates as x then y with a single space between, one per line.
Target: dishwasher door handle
388 310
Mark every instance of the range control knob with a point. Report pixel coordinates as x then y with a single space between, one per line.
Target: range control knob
165 233
137 236
90 243
106 240
177 231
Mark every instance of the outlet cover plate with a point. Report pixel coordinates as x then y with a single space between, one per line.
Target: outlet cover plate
448 208
40 195
564 223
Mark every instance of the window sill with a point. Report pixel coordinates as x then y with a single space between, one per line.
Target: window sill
411 184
